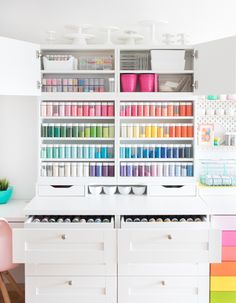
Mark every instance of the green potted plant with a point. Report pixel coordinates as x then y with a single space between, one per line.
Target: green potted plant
5 191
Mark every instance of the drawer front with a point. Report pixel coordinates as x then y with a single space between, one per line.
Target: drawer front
223 284
182 190
59 246
164 269
228 253
163 289
224 222
70 289
60 191
229 238
168 246
222 297
223 269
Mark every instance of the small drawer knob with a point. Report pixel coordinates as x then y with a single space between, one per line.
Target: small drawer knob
163 283
63 237
169 237
70 283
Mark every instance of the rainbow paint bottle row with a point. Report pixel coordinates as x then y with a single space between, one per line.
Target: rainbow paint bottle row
77 151
158 151
156 109
154 130
76 169
77 109
77 130
156 169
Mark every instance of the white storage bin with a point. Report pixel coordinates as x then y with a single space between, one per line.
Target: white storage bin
61 191
178 190
69 64
168 60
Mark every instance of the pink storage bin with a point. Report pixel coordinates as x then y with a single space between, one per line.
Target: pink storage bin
229 238
147 82
129 82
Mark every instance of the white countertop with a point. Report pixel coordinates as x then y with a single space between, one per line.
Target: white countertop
116 205
13 211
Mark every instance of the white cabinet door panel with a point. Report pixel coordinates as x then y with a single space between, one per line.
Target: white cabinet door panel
163 289
215 67
71 289
167 246
19 68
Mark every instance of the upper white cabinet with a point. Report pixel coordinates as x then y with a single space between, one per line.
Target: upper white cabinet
215 67
19 68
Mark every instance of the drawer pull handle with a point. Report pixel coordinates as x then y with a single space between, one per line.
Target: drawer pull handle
70 283
169 237
63 237
163 283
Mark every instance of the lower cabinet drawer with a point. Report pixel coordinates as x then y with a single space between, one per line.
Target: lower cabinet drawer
223 284
71 289
229 253
163 289
229 238
223 269
168 246
222 297
64 246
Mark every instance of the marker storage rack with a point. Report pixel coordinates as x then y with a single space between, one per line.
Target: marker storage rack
84 126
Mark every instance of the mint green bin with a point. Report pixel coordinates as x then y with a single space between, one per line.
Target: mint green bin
5 195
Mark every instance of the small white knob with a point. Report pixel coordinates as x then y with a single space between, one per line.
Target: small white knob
63 237
163 283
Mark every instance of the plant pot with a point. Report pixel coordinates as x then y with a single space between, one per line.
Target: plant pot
5 195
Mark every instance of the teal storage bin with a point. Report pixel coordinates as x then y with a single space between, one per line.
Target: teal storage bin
6 195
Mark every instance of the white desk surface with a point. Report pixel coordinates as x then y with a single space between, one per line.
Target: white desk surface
116 205
13 211
221 205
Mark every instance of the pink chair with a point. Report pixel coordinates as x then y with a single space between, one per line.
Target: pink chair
6 261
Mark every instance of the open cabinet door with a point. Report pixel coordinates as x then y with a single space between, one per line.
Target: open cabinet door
19 68
215 67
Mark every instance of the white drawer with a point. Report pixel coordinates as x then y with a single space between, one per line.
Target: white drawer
224 222
163 289
61 190
70 289
64 246
71 269
168 246
178 190
164 269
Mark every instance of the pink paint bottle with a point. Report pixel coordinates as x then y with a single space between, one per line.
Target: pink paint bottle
80 109
146 109
49 109
74 109
153 170
122 109
158 109
134 109
128 109
68 109
86 109
110 109
140 109
92 109
104 109
152 109
98 110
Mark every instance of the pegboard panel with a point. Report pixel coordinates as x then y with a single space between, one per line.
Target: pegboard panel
225 123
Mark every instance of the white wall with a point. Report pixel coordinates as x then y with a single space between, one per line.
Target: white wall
29 19
18 144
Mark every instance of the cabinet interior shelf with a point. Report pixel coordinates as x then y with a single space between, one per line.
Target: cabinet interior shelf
157 139
77 139
78 160
156 118
79 118
105 72
156 72
156 159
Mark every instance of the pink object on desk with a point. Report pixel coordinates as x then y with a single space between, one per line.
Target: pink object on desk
129 82
229 238
146 82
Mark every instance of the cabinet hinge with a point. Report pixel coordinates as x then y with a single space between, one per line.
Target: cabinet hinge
39 84
195 84
195 54
38 54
